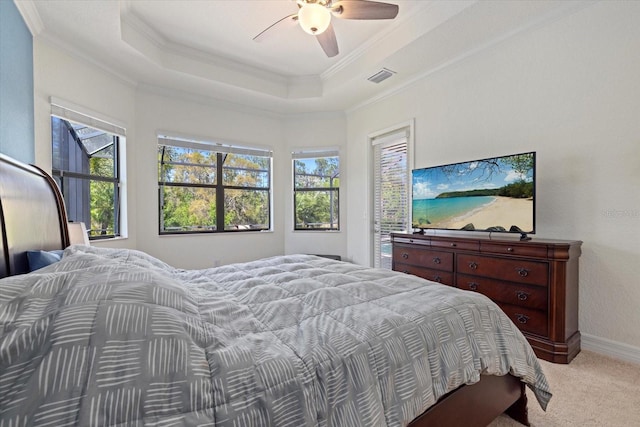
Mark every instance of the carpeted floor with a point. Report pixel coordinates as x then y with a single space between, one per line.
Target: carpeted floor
593 390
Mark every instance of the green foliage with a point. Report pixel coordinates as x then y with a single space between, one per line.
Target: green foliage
470 193
316 198
522 164
323 173
187 207
313 209
102 197
520 189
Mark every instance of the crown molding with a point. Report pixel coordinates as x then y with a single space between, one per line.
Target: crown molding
29 12
206 100
192 54
177 57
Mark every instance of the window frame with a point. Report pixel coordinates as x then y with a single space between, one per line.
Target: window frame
70 115
220 149
312 155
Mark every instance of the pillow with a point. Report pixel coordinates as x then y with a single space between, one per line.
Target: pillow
41 259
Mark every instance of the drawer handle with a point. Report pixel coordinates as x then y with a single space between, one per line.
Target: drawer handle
473 265
405 255
522 295
453 245
522 318
509 249
473 286
436 260
437 278
523 272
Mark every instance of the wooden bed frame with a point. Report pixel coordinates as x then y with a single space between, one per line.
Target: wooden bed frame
32 214
33 217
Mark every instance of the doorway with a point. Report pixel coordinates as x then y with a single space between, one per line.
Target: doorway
392 164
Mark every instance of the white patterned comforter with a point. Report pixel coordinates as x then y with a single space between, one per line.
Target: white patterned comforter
116 337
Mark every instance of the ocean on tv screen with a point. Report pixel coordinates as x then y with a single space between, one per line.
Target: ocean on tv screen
482 212
495 194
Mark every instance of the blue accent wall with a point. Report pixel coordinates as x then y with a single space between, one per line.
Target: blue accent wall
16 85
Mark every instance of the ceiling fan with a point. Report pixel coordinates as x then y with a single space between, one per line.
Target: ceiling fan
314 16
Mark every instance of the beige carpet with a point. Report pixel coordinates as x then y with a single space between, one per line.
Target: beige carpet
593 390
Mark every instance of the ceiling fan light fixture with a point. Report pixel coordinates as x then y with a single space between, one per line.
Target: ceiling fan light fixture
314 18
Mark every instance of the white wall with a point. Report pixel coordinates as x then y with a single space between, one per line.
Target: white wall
144 111
323 130
77 81
210 120
569 91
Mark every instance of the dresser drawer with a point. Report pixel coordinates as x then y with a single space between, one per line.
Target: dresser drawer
527 320
518 294
513 249
444 277
438 260
521 271
535 282
468 245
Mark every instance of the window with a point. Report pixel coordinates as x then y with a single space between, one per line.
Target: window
316 177
85 164
212 187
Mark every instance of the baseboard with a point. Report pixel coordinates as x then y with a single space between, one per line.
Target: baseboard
610 348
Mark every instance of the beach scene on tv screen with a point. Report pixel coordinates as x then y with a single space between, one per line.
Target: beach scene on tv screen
491 194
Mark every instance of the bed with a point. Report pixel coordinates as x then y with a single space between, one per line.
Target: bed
118 337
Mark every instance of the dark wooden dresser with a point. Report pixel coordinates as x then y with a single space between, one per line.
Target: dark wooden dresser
535 282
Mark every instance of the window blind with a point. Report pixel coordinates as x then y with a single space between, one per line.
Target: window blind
391 192
313 154
213 146
85 119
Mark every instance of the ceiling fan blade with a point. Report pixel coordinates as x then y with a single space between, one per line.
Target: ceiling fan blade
287 21
328 41
364 9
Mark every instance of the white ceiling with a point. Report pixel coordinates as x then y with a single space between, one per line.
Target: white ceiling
206 48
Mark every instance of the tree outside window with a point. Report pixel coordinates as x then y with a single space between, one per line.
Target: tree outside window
316 191
85 166
213 190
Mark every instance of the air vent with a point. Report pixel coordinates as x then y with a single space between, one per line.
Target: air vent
381 75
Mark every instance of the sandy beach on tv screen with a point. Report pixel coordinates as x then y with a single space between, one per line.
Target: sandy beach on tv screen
504 212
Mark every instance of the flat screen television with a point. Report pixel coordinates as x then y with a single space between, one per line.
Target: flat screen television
495 194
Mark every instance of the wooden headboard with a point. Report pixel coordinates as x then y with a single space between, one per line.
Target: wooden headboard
32 214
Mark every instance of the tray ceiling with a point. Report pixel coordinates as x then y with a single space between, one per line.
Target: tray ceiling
206 48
